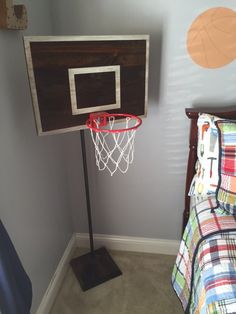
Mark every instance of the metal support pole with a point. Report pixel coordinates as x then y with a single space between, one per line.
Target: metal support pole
97 266
86 183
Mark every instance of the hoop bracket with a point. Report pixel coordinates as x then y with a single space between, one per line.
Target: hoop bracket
98 119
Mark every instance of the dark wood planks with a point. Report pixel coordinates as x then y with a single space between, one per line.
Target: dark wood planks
51 61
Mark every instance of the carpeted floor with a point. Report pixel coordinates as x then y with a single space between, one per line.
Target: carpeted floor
144 288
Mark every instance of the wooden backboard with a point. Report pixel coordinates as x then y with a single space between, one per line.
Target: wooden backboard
72 76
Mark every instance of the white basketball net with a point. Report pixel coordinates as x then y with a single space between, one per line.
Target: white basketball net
114 150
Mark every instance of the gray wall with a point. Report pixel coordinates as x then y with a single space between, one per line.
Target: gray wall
34 190
149 199
41 178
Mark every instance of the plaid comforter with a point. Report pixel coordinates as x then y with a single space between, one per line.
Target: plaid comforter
204 275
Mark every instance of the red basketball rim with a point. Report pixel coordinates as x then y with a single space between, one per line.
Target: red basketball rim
92 125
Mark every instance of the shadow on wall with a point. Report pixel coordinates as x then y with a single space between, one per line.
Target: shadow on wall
15 83
155 63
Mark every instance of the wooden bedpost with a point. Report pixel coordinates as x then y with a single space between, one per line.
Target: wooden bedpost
192 158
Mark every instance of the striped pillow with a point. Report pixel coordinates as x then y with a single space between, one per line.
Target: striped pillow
226 192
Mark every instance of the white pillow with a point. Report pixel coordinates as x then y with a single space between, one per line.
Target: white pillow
206 179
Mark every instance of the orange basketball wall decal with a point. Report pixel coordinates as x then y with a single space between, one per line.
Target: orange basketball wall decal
211 39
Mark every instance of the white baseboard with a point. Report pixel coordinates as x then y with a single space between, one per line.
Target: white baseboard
133 244
55 283
113 242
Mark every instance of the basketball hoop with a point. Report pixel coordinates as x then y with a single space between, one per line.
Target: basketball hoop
114 144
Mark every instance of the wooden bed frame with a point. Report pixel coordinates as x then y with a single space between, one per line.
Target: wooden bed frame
192 114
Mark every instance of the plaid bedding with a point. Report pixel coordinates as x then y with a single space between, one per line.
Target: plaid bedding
204 275
226 193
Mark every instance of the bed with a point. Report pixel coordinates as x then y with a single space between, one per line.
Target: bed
204 274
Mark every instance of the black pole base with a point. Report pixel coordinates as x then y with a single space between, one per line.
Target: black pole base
94 268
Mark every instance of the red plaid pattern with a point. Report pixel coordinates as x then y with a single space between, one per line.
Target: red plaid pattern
228 160
216 251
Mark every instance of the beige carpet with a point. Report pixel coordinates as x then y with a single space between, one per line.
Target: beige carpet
143 288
